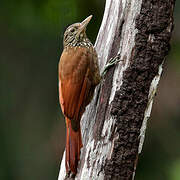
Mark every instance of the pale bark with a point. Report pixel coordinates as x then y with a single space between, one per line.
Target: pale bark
113 126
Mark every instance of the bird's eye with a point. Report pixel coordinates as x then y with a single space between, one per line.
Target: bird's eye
72 30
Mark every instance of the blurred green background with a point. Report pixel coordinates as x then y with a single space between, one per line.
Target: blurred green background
32 129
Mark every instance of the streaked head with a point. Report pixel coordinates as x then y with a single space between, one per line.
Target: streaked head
76 32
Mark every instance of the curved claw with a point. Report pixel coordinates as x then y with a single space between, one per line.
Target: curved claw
110 63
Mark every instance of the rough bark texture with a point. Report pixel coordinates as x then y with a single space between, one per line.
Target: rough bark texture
113 127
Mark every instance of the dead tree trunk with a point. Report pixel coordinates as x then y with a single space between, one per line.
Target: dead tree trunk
113 126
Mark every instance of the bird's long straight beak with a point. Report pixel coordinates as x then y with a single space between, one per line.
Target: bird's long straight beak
84 23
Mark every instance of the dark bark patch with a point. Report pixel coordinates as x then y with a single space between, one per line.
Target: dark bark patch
106 87
130 102
88 159
103 104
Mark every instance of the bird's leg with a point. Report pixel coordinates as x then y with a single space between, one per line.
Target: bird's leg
110 63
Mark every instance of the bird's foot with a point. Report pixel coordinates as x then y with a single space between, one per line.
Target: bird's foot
110 63
70 176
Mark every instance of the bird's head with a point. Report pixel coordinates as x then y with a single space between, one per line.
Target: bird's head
76 33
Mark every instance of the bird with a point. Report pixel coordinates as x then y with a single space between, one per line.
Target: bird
78 77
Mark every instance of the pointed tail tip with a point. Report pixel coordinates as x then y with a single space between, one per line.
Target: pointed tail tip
73 148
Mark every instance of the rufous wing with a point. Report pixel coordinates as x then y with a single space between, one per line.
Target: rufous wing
74 83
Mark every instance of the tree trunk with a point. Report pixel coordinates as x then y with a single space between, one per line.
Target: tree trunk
113 127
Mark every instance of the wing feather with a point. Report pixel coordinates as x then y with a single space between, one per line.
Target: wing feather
74 84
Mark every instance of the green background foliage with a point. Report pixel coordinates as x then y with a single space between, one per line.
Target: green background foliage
32 130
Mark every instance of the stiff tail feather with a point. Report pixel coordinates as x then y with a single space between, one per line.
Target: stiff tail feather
73 147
